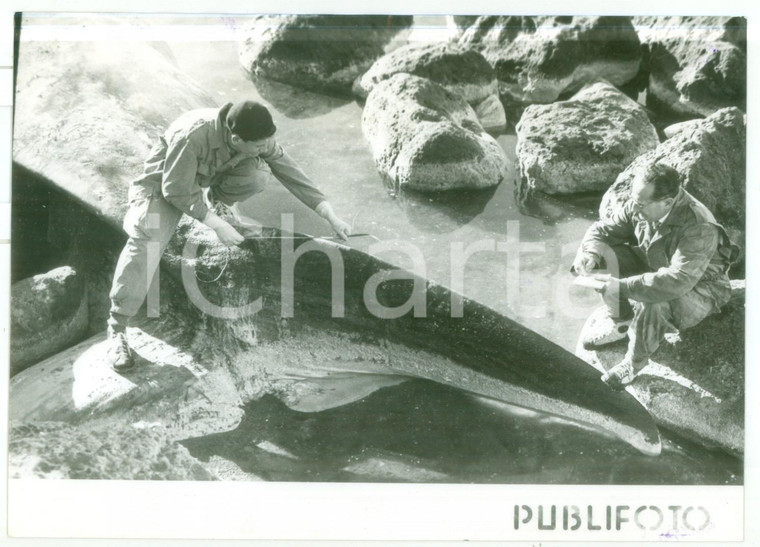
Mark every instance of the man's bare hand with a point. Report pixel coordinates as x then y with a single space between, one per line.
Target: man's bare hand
342 229
611 290
325 210
584 263
224 231
228 235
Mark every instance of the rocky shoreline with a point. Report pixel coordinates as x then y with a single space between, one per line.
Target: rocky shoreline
570 85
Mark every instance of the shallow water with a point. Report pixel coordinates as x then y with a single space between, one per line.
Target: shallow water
531 286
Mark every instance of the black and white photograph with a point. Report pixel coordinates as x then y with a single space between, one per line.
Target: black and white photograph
384 250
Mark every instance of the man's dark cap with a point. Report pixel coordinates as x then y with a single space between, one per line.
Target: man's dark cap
251 121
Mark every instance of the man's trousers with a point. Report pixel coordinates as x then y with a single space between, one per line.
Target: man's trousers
150 223
652 320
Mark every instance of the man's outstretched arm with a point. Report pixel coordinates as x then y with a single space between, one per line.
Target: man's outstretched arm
292 177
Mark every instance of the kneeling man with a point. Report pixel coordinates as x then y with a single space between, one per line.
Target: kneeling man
206 162
667 256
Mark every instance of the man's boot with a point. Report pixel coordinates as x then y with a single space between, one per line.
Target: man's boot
119 354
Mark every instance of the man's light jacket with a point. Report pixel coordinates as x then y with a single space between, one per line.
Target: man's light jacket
688 251
193 150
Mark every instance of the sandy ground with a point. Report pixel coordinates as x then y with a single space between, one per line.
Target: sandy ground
134 452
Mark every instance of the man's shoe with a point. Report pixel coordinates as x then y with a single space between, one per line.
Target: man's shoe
119 353
620 375
603 330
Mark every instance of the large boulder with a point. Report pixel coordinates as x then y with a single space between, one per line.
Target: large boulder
461 71
710 156
426 138
582 144
86 122
675 128
48 314
539 58
697 65
694 383
319 52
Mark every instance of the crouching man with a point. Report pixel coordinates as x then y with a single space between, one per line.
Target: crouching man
206 162
667 256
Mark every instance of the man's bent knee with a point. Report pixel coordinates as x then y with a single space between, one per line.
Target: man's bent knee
652 308
691 309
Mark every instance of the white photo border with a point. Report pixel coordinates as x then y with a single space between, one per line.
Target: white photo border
49 506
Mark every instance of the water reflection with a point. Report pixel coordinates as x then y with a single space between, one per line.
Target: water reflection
296 103
551 210
443 212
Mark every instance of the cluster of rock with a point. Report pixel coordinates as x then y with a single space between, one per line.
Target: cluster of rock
689 66
696 65
597 139
435 129
583 143
537 59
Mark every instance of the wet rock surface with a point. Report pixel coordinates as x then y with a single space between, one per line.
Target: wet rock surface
710 156
461 71
318 52
583 143
675 128
694 383
48 314
537 59
697 65
80 116
425 138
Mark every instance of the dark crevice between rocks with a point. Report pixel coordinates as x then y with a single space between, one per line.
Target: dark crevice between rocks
50 228
514 112
31 251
